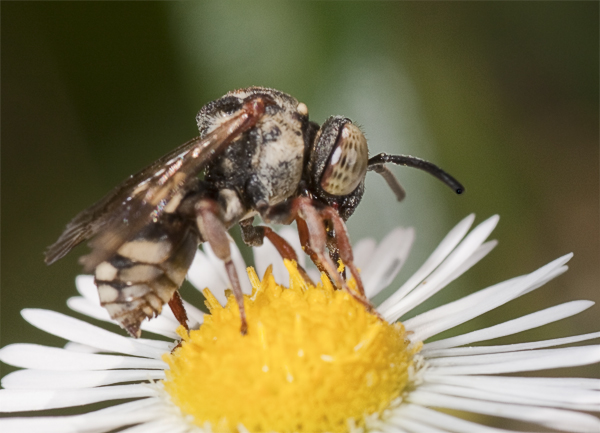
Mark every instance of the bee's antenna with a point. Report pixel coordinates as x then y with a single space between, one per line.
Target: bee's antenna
377 162
390 179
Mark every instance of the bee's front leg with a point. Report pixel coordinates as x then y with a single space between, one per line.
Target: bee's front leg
214 232
312 218
342 244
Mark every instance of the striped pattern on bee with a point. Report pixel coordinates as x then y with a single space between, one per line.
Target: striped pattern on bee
146 271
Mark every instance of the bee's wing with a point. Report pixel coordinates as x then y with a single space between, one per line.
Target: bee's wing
139 200
116 204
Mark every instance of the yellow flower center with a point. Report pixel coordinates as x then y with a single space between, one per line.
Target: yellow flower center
313 360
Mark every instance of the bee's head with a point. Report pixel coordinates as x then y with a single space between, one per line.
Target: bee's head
337 165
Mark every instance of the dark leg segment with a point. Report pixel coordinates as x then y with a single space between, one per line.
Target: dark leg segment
343 244
176 304
213 231
304 241
334 251
317 239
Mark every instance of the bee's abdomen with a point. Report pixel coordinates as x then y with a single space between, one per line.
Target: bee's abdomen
136 282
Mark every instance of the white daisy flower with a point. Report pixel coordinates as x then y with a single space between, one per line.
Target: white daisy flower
313 359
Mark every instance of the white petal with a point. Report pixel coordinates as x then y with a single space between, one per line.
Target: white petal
442 420
389 428
103 420
517 382
529 321
204 273
82 348
267 255
523 387
219 266
482 251
161 426
454 313
461 268
164 346
18 400
387 260
168 314
441 276
208 271
363 252
240 267
44 379
195 315
146 404
515 361
52 358
159 325
500 294
480 350
413 426
445 247
85 285
515 398
54 424
587 351
82 332
554 418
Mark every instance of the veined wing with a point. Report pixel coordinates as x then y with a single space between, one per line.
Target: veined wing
142 198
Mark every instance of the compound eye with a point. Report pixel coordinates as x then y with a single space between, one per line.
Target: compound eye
347 164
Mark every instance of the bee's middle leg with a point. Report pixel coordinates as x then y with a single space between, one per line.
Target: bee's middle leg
214 232
255 235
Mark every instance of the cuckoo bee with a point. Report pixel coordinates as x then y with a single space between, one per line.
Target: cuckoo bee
260 155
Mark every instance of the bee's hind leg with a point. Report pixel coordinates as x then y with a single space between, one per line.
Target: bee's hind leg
214 232
255 235
176 305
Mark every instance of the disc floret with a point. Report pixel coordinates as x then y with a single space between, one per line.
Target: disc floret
313 360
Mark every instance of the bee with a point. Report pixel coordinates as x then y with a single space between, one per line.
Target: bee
260 155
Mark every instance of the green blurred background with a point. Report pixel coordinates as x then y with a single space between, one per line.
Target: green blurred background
502 95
